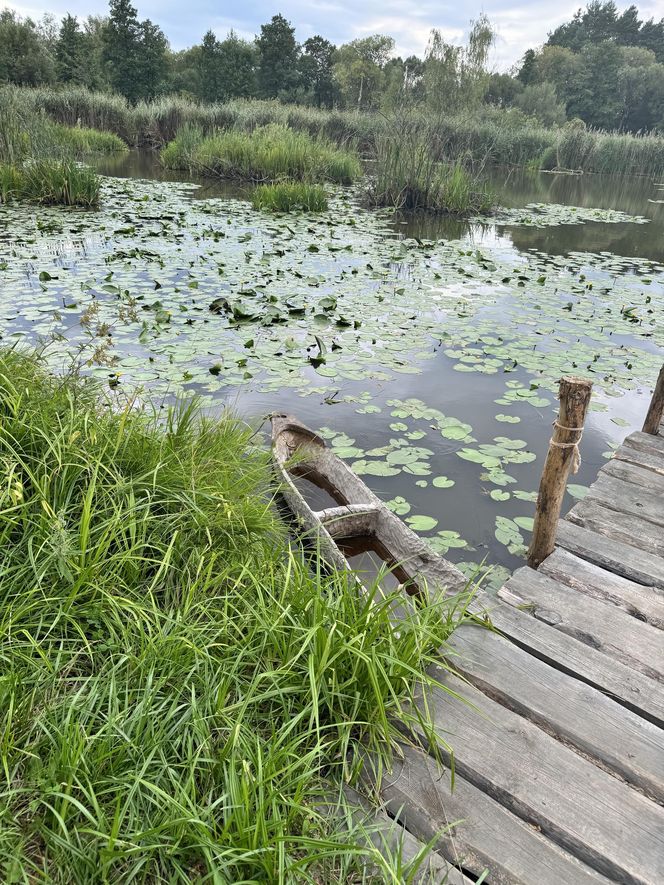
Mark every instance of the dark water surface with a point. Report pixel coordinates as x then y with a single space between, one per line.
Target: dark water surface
443 382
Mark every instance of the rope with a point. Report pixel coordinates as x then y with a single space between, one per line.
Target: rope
576 455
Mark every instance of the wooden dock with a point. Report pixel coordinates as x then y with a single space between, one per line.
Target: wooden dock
559 742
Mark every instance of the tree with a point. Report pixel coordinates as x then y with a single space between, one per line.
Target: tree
69 52
539 100
316 70
527 72
24 57
502 90
278 56
457 76
122 39
209 68
238 68
358 70
95 70
151 66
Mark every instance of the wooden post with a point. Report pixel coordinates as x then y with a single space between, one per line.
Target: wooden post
574 396
656 409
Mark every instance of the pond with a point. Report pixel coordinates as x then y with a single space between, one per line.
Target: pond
426 351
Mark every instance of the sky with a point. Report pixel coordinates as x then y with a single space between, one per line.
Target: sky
519 26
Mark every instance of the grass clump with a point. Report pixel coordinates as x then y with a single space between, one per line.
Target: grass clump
290 196
409 176
50 183
269 153
176 685
79 140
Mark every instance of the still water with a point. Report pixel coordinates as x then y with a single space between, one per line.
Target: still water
426 350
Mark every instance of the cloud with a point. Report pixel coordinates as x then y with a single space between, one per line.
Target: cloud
519 25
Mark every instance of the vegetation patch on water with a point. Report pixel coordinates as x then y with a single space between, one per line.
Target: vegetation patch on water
178 688
290 196
552 215
269 153
50 183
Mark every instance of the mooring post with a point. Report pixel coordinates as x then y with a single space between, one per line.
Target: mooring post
563 456
656 408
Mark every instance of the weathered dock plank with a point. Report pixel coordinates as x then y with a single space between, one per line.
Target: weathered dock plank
615 556
616 494
471 829
594 622
619 526
627 686
601 820
635 474
640 457
571 710
645 603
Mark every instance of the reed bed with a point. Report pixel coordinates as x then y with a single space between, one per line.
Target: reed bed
269 153
502 137
409 176
178 687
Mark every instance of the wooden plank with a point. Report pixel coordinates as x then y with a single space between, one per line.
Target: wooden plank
619 526
647 459
646 442
616 494
616 556
594 622
571 710
635 474
471 829
593 815
644 603
389 838
627 686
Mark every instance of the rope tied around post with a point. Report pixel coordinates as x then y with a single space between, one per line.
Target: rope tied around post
576 455
563 456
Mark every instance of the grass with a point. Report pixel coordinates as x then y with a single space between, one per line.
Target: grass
50 183
177 687
496 135
409 176
269 153
290 196
79 140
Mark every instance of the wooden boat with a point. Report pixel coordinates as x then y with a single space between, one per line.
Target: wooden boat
359 521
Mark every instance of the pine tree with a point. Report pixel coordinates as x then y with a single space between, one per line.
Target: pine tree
69 52
122 40
278 58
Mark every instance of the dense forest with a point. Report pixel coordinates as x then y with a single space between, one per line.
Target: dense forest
604 67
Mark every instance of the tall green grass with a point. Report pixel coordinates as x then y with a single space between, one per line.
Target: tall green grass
50 183
268 153
408 175
290 196
176 687
498 136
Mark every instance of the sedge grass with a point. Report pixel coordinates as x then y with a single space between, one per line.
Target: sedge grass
177 687
290 196
50 183
269 153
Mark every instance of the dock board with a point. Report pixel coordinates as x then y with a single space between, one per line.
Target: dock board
558 740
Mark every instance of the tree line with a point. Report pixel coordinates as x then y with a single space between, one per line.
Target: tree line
604 67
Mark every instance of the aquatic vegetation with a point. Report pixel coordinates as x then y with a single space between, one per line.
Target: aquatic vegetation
78 141
552 214
496 137
50 182
291 196
408 175
173 671
268 154
203 296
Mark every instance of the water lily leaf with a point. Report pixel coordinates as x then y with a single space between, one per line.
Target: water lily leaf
398 505
508 419
442 482
577 491
497 495
422 523
524 522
